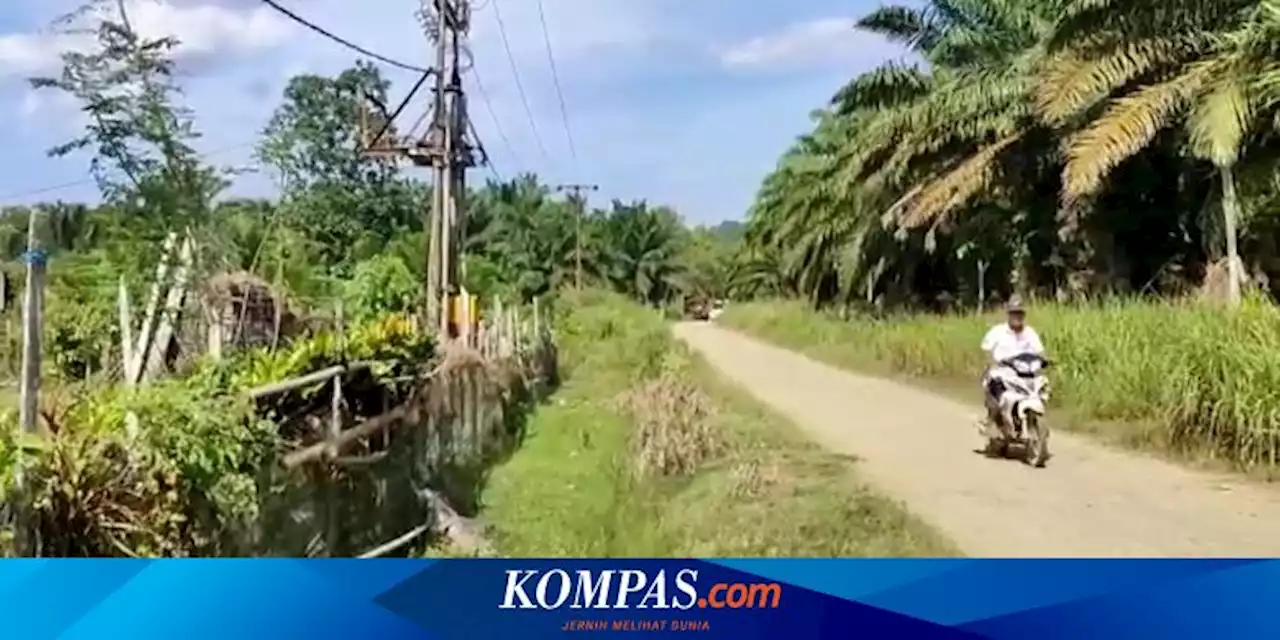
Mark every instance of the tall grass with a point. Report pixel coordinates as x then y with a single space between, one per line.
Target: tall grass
1208 378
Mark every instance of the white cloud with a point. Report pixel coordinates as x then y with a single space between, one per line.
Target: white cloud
817 43
46 105
205 31
577 27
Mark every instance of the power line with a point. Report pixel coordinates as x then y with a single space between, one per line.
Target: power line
497 125
555 77
342 41
515 71
76 183
484 154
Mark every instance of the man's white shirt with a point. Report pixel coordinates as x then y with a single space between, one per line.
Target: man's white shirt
1002 342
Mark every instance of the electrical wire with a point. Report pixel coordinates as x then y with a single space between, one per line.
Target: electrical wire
84 181
484 155
493 115
391 118
515 71
555 77
342 41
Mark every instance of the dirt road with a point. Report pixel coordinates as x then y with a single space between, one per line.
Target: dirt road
920 448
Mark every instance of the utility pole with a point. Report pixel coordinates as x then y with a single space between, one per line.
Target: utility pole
444 148
580 205
27 542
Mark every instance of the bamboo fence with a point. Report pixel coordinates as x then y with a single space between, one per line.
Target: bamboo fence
379 485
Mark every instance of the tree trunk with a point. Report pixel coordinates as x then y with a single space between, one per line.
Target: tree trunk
1230 218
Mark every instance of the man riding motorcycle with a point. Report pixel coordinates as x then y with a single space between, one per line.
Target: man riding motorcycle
1002 342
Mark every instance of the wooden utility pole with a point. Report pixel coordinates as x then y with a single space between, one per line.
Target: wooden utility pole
444 148
579 205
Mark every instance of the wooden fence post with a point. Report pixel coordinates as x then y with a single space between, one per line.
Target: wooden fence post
139 354
153 360
333 521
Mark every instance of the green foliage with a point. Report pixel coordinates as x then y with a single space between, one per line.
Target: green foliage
379 286
348 203
389 341
140 135
184 478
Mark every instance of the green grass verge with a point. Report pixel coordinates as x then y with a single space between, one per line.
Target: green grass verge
1193 380
571 489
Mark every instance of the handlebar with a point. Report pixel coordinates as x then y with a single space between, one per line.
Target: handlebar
1045 363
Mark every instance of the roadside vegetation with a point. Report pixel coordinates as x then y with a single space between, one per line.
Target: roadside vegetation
645 452
327 272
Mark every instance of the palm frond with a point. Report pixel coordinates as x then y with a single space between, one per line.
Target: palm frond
890 84
1075 80
953 189
1127 127
1220 120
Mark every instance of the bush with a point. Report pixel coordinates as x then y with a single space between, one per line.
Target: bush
380 285
1209 377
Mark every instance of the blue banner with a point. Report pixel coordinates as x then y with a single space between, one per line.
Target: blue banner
739 599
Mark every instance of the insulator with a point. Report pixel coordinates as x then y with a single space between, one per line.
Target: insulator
466 59
428 19
463 11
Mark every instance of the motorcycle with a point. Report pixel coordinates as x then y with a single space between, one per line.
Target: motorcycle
1018 414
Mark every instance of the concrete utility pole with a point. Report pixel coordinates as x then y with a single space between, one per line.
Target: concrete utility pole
580 205
445 149
32 325
26 539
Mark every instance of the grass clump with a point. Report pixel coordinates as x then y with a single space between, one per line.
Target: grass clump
1179 376
690 467
672 433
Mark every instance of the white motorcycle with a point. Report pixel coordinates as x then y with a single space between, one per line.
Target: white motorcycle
1019 408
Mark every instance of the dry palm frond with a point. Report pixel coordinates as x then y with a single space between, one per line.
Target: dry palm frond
1127 127
953 189
1073 81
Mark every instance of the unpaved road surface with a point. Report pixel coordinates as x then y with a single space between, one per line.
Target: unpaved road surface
920 448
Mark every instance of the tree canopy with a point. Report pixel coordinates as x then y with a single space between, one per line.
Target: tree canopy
1061 147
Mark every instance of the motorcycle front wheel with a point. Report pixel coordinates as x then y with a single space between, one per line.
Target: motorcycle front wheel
1037 441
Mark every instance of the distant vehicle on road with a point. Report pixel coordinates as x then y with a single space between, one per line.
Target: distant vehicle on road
698 310
703 309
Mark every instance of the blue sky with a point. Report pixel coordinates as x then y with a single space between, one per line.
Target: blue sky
684 102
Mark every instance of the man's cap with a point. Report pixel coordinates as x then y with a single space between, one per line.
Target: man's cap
1014 305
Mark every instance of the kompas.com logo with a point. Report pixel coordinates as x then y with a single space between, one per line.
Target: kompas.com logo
631 589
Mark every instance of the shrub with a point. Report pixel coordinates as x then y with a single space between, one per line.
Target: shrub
380 285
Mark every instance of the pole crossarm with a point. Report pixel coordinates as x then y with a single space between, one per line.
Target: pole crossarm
447 147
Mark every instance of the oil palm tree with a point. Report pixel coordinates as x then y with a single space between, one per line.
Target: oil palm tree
1123 71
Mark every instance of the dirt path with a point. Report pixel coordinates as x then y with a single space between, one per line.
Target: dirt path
920 448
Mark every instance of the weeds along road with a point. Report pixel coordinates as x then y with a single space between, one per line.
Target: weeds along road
922 449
